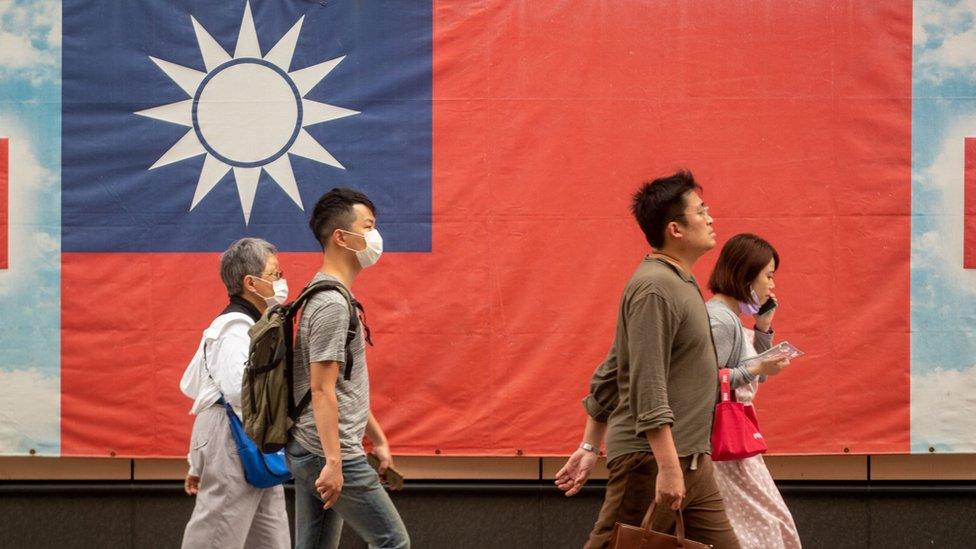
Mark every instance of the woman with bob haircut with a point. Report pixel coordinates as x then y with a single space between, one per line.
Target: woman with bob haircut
742 282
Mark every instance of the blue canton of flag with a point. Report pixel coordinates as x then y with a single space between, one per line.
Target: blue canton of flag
187 125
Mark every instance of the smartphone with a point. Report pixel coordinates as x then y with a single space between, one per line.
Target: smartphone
392 479
769 305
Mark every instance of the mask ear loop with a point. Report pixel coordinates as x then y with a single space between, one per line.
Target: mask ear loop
753 295
357 234
255 290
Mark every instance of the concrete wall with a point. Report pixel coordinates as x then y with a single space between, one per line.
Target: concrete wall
837 501
487 515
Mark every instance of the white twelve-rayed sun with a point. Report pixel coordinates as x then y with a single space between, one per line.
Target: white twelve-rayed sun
247 113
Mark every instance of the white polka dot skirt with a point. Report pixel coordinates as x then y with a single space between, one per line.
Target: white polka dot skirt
755 507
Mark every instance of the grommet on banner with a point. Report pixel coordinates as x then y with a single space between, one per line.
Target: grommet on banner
518 451
847 450
931 449
437 451
112 453
32 451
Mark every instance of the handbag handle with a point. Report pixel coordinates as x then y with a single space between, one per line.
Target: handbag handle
725 384
679 531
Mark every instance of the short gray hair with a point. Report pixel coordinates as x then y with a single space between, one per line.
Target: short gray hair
246 256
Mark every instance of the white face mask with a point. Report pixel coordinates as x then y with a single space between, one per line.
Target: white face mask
280 288
374 248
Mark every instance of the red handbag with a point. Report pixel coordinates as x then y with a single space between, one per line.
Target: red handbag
735 431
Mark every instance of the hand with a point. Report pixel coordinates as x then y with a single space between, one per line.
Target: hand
191 485
764 322
329 483
385 457
773 366
576 472
669 488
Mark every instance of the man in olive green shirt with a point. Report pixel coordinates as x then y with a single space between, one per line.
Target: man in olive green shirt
654 395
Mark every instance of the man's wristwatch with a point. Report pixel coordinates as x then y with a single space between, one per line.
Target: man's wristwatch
589 447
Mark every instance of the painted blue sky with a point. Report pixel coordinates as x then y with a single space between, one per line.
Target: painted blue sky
943 293
30 106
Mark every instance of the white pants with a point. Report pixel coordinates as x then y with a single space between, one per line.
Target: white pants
229 512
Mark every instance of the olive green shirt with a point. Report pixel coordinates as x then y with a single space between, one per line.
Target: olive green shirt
662 368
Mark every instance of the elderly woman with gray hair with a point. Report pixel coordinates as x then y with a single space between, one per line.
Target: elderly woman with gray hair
229 512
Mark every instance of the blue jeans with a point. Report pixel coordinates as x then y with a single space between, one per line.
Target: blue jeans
363 503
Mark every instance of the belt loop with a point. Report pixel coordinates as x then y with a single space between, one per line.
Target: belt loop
694 462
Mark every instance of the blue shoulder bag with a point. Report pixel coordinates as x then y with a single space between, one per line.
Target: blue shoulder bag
260 470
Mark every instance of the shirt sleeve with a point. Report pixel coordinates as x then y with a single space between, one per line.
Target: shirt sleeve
603 396
763 342
724 334
231 353
651 324
328 323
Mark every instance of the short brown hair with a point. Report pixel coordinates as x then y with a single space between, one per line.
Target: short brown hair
742 258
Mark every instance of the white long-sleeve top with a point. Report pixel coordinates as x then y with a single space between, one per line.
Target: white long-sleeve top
226 342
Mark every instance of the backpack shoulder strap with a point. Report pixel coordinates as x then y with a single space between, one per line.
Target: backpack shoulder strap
351 330
324 286
311 290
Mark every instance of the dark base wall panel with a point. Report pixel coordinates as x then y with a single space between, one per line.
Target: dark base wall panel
490 516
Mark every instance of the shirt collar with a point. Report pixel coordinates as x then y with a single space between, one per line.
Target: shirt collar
687 277
238 304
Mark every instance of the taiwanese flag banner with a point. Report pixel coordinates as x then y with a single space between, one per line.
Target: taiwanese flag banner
501 141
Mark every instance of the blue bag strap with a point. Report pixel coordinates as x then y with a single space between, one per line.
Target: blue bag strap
236 427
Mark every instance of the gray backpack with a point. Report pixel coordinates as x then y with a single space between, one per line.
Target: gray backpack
267 402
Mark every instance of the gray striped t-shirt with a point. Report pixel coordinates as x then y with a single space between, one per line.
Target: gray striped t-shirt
322 338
